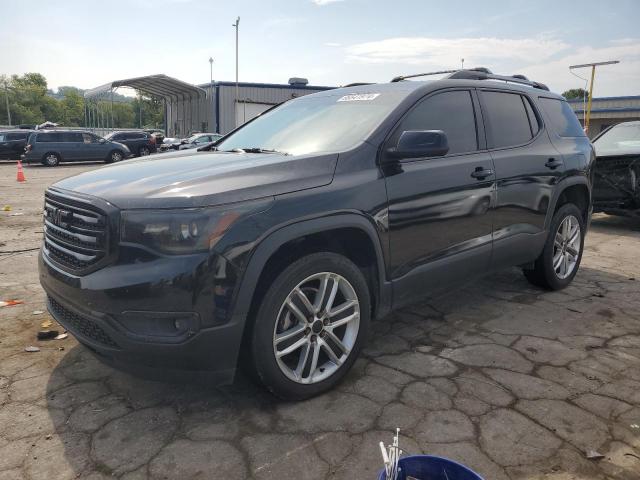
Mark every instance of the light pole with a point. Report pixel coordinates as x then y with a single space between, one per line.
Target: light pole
236 25
6 97
211 71
462 63
593 74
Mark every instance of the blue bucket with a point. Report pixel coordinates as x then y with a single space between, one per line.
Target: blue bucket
428 467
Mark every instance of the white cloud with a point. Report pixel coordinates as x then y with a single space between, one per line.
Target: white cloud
545 58
447 52
333 44
325 2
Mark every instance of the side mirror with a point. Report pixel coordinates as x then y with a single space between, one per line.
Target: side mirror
420 143
102 140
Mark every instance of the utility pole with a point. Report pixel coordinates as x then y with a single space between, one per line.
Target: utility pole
6 98
236 25
211 71
593 74
462 63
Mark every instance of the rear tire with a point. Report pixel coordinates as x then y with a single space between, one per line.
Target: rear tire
560 259
114 156
144 151
333 306
51 159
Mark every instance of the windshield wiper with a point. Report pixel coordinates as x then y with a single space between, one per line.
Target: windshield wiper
256 150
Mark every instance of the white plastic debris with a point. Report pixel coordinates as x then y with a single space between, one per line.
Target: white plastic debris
31 348
391 456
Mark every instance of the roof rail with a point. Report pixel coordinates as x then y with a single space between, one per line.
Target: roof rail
356 84
479 73
440 72
476 74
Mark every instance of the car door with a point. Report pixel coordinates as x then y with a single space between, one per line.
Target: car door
527 167
440 208
5 146
90 148
66 144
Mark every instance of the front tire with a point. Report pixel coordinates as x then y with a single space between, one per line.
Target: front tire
144 151
114 156
560 259
310 326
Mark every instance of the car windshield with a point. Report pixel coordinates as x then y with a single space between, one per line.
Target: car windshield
619 138
109 136
314 124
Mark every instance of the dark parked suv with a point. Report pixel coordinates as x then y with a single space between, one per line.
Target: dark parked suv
12 143
278 248
50 147
139 143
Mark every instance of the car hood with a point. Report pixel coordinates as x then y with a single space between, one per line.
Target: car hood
201 179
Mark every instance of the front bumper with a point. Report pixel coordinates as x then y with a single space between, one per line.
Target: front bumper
169 317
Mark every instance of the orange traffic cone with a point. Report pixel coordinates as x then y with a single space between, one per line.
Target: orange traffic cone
20 173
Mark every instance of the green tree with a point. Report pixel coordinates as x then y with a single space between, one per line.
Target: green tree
72 106
576 93
31 102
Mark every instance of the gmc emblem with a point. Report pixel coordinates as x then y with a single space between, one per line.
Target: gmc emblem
59 217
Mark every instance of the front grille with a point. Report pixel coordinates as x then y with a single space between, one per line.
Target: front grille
75 233
80 325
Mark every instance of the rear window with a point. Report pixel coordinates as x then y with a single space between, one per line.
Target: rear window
562 117
508 119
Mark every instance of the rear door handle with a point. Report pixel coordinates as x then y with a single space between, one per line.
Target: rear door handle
552 163
481 173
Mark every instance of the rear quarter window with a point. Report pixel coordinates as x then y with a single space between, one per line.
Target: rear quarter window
563 120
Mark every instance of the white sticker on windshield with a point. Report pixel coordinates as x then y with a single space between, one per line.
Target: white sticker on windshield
359 97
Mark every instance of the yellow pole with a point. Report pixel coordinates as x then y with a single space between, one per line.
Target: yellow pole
593 74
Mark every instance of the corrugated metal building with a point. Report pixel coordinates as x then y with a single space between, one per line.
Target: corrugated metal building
220 112
607 111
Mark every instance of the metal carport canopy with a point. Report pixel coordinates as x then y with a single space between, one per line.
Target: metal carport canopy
158 85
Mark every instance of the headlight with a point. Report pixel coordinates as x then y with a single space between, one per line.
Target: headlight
176 232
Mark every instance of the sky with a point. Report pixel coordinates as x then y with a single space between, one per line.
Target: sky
330 42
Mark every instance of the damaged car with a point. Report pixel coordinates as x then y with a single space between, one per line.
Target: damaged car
616 189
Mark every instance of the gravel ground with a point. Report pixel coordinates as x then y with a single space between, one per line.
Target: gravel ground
515 382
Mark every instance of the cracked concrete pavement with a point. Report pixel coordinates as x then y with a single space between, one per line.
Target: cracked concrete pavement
513 381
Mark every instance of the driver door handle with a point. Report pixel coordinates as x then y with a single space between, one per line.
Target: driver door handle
481 173
552 163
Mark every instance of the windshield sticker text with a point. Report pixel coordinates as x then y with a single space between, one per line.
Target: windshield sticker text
359 97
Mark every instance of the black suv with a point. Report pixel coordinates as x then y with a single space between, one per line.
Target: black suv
13 143
139 143
279 246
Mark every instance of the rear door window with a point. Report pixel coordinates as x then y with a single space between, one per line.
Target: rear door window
452 112
71 137
562 117
507 118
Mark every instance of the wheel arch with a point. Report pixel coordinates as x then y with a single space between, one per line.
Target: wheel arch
572 190
306 235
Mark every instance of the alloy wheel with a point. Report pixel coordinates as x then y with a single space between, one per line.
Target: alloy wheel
116 156
566 247
317 327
